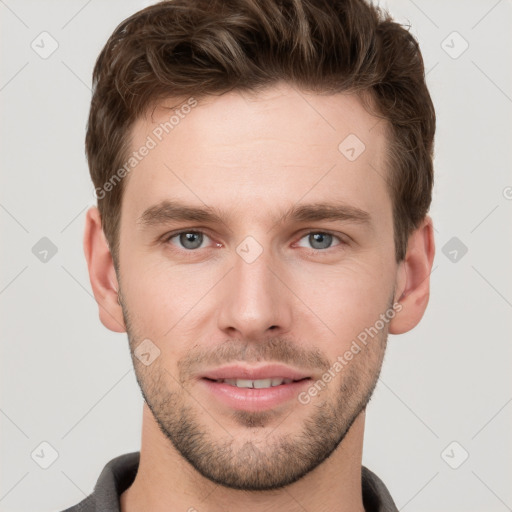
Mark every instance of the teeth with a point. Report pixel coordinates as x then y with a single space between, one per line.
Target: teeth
259 383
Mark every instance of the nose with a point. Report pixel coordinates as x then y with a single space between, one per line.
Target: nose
255 302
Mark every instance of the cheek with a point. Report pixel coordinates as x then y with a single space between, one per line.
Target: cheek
345 300
152 303
346 297
163 299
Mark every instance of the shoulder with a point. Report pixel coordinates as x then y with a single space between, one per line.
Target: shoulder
117 475
376 497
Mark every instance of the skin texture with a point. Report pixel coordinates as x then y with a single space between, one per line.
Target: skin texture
251 157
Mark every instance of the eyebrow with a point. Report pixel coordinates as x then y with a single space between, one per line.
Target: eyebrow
169 211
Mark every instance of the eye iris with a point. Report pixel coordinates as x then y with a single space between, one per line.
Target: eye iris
191 240
194 240
324 238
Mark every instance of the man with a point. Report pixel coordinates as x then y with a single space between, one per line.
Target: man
263 171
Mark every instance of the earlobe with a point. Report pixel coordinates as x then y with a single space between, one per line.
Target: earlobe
102 272
413 279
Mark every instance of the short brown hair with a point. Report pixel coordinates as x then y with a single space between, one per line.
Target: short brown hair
182 48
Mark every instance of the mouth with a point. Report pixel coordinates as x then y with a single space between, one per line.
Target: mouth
257 383
254 388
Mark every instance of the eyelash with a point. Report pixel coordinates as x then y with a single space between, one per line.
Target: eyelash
167 238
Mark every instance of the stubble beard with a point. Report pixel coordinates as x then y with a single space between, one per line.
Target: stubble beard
267 457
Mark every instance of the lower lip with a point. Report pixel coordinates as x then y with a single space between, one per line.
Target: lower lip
254 399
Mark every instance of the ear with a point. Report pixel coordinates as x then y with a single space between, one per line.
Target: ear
413 279
102 272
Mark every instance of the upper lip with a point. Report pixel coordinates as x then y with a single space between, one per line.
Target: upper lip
254 373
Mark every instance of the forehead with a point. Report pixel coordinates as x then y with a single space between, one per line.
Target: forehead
267 148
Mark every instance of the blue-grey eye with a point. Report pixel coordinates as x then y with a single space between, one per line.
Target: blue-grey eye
191 239
319 240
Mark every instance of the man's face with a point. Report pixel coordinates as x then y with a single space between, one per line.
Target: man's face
258 287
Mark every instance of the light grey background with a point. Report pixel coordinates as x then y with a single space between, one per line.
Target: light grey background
67 381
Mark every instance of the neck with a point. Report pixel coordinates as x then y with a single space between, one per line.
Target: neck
165 481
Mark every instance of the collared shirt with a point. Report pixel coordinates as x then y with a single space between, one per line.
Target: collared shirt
119 474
